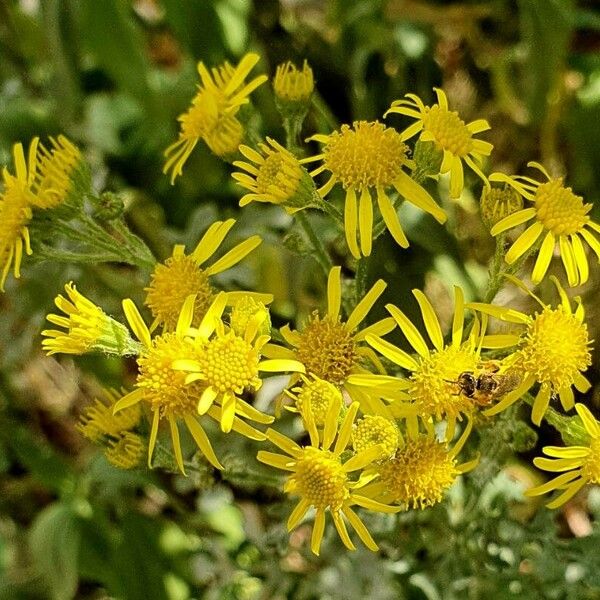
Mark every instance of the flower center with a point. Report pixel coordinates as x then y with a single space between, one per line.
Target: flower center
229 364
555 348
419 473
327 349
448 129
320 479
559 209
318 396
372 430
591 466
434 388
365 155
171 283
164 387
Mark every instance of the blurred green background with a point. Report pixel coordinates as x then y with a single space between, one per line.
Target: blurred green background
113 75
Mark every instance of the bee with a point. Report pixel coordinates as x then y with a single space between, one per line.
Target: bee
487 386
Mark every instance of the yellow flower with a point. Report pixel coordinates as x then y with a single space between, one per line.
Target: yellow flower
368 158
122 447
212 114
420 472
293 85
331 348
276 177
579 465
497 203
247 308
227 364
16 201
98 420
553 350
56 169
321 479
166 390
374 430
314 396
87 328
559 213
431 389
450 134
180 276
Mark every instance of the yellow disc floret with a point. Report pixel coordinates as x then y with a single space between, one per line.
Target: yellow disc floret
559 209
419 473
171 283
555 348
320 479
327 349
372 430
448 130
229 363
434 389
164 387
368 154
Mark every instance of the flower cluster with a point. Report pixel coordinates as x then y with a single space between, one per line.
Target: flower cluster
382 408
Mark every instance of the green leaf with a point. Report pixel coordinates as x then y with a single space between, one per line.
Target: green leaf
54 542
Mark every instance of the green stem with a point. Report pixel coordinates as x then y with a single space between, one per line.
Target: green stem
320 253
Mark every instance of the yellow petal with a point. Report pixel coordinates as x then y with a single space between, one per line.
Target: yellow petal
409 330
432 325
525 241
517 218
334 292
351 222
365 305
418 196
317 532
390 218
365 221
136 322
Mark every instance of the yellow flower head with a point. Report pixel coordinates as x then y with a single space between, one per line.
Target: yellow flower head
552 349
276 176
497 203
248 308
323 481
367 159
431 389
315 396
97 421
450 134
579 465
212 114
226 365
292 85
16 201
122 447
86 328
331 348
167 391
181 275
558 214
420 472
126 450
56 171
374 430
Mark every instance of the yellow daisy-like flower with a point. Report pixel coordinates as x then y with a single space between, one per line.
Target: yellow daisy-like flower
122 447
212 114
86 328
332 349
16 201
420 472
276 176
450 134
181 275
368 159
55 172
559 214
322 480
579 465
431 389
316 396
166 390
291 84
227 364
553 350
